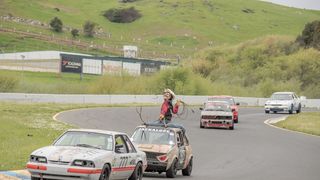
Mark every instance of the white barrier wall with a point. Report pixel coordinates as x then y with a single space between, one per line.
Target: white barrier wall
128 99
92 66
35 55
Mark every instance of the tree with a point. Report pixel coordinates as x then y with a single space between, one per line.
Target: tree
56 24
74 33
310 36
88 28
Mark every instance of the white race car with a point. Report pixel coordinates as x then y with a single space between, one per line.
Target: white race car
88 154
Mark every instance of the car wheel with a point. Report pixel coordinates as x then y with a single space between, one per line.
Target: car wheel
172 171
275 112
105 173
231 127
267 112
137 173
291 109
299 109
187 171
34 178
201 126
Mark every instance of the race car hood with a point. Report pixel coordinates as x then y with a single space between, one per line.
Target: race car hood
282 102
70 153
216 113
154 148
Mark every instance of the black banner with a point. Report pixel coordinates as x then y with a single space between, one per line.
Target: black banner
71 63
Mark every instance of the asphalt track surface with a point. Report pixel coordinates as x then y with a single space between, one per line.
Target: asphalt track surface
252 151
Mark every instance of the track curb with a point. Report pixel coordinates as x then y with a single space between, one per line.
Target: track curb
272 121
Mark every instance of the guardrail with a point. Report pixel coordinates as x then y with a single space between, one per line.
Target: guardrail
128 99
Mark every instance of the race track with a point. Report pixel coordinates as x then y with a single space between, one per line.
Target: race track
253 151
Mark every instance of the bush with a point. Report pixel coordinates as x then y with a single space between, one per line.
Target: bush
88 28
8 83
74 33
126 15
310 36
56 24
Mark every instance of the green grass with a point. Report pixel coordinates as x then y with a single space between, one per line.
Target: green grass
38 82
184 23
26 127
307 122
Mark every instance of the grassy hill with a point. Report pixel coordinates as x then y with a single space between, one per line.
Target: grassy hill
167 27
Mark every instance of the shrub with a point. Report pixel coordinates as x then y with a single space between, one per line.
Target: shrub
126 15
88 28
74 33
310 36
56 24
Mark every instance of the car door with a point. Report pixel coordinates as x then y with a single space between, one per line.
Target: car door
182 149
119 168
132 157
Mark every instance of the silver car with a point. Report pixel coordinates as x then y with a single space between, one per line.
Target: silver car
88 154
283 102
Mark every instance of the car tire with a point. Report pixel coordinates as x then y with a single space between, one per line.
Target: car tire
172 171
105 174
275 112
291 109
137 173
267 112
231 127
201 126
34 178
187 171
299 109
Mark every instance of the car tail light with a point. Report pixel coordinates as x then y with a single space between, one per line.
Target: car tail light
162 158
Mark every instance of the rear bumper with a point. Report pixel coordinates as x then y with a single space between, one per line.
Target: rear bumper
217 123
62 172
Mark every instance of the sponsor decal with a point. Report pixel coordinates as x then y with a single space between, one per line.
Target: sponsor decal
71 64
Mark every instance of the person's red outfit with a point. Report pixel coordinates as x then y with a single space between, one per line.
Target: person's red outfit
167 109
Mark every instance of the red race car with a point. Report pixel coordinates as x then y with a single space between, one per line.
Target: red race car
230 100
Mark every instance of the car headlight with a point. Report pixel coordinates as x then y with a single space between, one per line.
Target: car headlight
38 159
83 163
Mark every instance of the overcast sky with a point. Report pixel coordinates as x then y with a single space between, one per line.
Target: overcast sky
307 4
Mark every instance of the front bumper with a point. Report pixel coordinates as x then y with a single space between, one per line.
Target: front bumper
62 172
156 166
277 108
217 123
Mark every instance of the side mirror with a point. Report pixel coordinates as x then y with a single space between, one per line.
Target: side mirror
237 103
119 148
201 109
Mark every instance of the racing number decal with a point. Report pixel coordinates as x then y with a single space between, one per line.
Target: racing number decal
123 161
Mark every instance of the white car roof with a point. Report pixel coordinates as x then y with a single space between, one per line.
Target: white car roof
283 93
96 131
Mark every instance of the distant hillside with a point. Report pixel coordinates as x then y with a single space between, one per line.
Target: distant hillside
167 27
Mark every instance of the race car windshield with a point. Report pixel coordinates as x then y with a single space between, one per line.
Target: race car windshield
218 107
281 97
86 139
229 100
153 136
